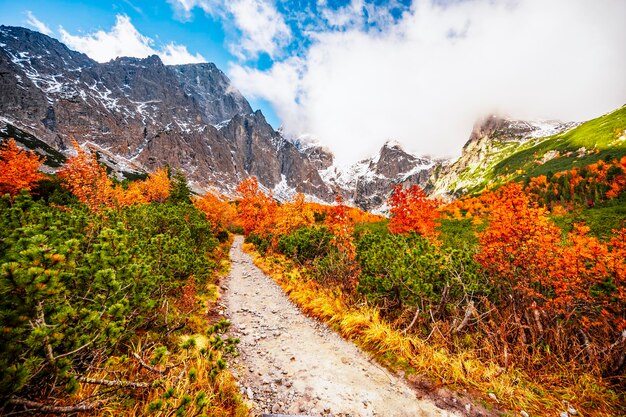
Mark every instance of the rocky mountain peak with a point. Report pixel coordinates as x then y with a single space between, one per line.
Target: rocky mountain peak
320 156
127 61
491 136
213 92
393 160
503 129
369 182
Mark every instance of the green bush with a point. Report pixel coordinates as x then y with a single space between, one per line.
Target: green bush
75 286
222 236
262 244
400 272
306 244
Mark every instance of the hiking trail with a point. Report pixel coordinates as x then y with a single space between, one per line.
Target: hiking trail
291 364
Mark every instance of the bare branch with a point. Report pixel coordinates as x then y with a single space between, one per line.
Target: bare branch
53 409
468 313
151 368
114 383
78 349
41 322
417 312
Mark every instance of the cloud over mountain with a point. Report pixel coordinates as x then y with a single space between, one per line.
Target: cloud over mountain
424 77
125 40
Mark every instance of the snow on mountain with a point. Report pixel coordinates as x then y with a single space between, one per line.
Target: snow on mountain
492 139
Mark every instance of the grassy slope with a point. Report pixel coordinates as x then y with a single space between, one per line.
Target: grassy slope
602 134
600 137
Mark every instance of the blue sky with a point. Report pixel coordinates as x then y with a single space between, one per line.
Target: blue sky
352 74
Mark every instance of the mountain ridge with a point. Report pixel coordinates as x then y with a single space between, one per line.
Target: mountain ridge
140 114
187 116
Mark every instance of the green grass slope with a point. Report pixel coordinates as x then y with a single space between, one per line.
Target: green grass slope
600 138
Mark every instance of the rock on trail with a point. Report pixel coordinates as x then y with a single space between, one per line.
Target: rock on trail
291 364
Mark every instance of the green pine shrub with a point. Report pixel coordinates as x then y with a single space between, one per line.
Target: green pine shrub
77 287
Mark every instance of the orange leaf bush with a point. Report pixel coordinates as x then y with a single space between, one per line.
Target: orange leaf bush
217 209
19 169
89 182
412 211
256 212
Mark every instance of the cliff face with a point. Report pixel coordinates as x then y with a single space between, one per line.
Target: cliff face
218 100
369 183
145 114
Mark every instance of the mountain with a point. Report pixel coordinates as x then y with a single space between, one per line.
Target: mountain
140 114
501 150
369 183
492 139
216 97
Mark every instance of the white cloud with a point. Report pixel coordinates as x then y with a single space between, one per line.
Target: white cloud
125 40
425 79
262 27
37 24
257 24
279 85
173 53
184 7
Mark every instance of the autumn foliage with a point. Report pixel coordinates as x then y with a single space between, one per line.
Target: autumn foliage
590 185
89 182
489 273
217 209
256 212
412 211
293 215
517 250
561 192
19 169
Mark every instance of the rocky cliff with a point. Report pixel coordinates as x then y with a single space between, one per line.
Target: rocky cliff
145 114
369 183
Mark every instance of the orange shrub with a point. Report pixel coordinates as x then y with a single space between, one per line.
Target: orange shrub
412 211
19 169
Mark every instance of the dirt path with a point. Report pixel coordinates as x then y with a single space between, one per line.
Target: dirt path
290 364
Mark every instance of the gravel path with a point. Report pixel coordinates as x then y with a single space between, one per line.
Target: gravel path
290 364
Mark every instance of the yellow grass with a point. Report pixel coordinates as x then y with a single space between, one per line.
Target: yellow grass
514 389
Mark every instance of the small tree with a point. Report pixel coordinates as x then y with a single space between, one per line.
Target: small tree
218 211
520 247
87 180
256 211
19 169
412 211
180 191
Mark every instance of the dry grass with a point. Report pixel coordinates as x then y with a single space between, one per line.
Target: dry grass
514 389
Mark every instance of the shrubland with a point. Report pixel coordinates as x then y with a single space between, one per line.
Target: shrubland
507 292
104 298
517 293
